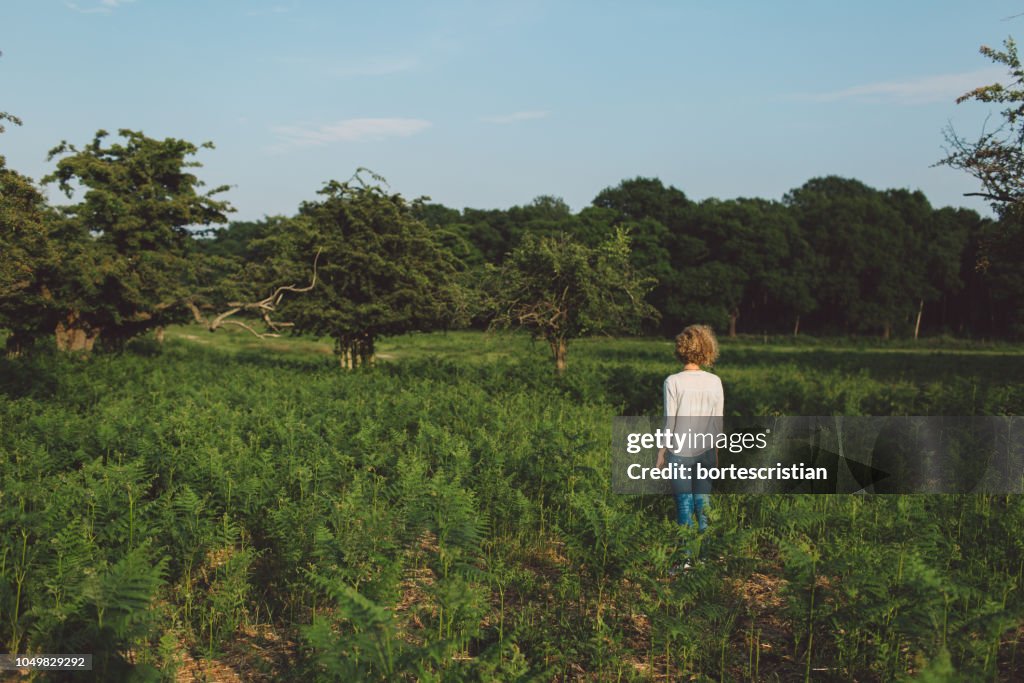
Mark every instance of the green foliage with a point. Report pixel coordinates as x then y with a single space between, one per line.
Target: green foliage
1000 252
382 271
880 256
367 646
658 219
645 198
996 158
836 255
448 517
29 252
129 235
560 290
10 118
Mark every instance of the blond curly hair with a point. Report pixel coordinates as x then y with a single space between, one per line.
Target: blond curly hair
697 344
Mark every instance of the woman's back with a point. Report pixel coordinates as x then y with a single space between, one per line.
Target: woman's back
694 405
694 392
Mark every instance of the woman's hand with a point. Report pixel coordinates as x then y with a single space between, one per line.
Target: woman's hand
661 459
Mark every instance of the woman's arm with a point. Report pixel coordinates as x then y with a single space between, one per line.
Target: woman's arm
670 417
719 413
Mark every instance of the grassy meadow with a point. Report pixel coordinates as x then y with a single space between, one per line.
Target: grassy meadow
227 508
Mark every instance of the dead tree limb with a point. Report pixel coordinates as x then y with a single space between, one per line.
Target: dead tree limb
264 308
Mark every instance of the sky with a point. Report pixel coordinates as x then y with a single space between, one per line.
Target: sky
491 104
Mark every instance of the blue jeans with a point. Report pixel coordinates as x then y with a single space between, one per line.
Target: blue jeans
692 495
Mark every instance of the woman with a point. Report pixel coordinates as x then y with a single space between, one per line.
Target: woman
694 405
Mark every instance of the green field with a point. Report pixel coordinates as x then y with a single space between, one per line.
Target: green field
226 508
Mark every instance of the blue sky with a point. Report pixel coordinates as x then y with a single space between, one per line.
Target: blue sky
490 104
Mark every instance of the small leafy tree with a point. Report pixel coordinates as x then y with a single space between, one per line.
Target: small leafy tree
381 271
560 290
996 158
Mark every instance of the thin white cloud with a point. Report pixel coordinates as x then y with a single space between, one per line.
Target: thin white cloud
375 67
104 6
516 117
923 90
348 130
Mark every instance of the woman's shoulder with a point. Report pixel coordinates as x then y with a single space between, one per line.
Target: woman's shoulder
695 377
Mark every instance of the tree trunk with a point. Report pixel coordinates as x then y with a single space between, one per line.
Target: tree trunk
558 350
886 330
74 334
917 324
733 314
366 350
355 350
796 326
16 345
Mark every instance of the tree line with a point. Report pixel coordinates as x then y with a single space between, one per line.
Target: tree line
137 248
833 257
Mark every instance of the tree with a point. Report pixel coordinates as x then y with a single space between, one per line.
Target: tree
132 234
492 234
640 198
22 232
381 270
934 241
29 253
1000 253
560 290
865 251
798 277
996 158
659 220
237 238
748 241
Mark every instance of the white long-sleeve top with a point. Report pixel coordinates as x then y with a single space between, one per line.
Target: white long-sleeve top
694 404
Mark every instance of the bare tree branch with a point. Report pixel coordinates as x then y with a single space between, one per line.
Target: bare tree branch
264 308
